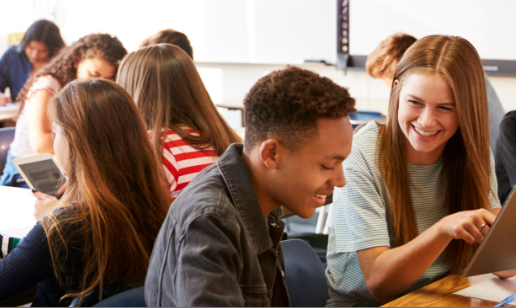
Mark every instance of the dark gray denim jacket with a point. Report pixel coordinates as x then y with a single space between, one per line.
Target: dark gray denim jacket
214 248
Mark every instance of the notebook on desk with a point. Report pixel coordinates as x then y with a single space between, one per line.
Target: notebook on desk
497 252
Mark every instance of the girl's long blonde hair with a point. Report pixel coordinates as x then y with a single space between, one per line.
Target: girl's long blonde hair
116 199
466 157
164 83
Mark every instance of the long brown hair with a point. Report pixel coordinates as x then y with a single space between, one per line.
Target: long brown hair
466 157
62 67
169 92
116 200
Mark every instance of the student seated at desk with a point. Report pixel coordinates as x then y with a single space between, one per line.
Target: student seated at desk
94 55
169 36
103 228
188 132
219 245
39 45
382 63
421 188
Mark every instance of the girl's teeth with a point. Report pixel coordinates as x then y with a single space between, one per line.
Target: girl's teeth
424 134
320 196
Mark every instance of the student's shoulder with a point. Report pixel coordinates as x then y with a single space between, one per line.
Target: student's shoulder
364 144
508 125
205 196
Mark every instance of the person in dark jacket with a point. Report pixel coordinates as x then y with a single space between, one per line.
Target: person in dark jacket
505 156
219 245
39 45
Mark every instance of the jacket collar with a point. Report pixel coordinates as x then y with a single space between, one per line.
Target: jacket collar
240 187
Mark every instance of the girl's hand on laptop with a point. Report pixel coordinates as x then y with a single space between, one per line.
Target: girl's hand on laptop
43 205
470 226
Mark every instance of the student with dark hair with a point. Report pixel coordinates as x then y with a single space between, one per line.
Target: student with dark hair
170 94
39 45
169 36
505 156
94 55
219 245
101 231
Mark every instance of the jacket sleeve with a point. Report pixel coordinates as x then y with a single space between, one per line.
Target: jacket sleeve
506 148
27 264
4 70
210 264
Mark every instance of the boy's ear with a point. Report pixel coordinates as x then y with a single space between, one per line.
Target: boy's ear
268 153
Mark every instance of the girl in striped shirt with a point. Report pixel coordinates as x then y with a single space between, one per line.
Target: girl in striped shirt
186 129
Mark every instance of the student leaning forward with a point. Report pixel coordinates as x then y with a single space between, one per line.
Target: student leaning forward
219 245
421 187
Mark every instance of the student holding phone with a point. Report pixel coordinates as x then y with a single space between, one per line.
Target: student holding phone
103 228
39 45
94 55
188 132
421 187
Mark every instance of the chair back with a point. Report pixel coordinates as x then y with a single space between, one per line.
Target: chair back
130 298
363 116
6 137
304 275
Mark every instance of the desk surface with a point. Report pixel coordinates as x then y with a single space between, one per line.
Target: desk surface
8 112
16 211
440 294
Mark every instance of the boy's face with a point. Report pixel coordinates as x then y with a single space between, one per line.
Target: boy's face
302 179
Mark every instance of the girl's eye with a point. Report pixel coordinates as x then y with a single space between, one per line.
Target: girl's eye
414 102
326 168
446 109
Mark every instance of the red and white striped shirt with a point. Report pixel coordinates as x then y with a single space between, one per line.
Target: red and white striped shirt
182 162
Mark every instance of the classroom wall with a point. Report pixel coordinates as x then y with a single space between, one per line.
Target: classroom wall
227 81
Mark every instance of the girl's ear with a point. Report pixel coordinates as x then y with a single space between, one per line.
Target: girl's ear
395 84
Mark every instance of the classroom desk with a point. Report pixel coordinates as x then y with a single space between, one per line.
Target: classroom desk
17 218
8 112
440 294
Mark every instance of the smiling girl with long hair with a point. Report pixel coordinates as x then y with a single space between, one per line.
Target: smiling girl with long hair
421 187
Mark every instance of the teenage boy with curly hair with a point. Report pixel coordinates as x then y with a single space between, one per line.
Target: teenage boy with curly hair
219 245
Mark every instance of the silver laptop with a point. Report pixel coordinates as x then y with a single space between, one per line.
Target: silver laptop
497 252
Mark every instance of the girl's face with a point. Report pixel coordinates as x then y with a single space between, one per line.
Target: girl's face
95 68
37 52
61 148
427 116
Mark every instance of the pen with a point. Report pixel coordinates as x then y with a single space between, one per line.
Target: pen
506 301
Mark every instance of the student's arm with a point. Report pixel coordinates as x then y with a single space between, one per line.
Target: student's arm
210 264
27 264
387 272
40 130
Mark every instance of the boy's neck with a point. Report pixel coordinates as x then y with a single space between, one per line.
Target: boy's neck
257 173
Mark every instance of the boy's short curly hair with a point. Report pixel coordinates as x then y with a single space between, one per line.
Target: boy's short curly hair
287 104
